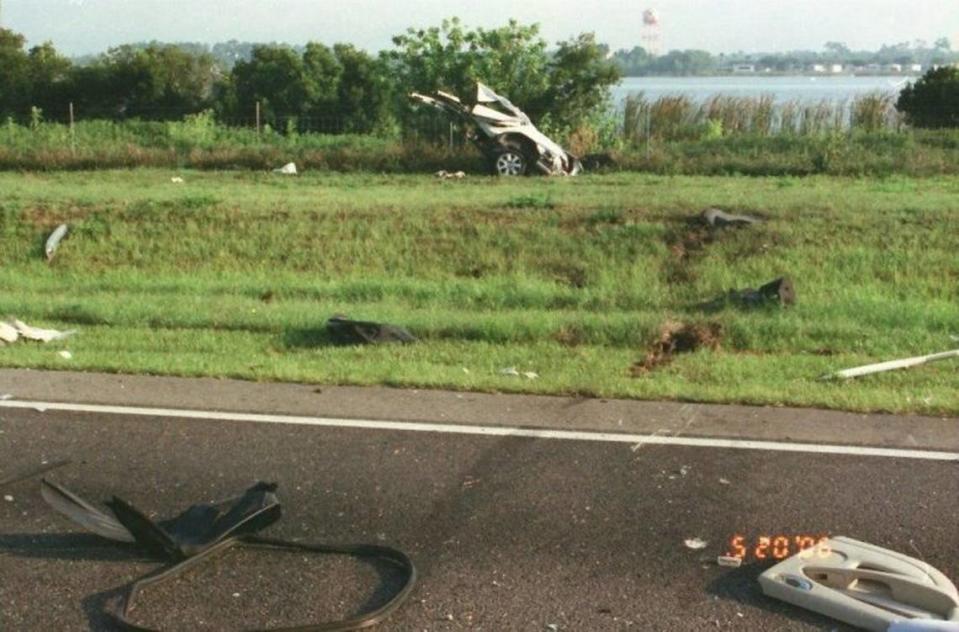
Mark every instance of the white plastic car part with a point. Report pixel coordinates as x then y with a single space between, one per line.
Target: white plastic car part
863 585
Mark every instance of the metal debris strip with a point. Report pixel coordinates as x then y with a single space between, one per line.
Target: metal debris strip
53 241
715 218
361 622
191 532
892 365
204 531
27 332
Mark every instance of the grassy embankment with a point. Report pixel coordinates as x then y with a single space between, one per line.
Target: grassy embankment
234 274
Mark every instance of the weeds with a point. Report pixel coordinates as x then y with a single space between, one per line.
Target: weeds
673 134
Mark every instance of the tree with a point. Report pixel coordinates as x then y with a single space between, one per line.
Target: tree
275 77
15 79
363 93
579 80
933 101
837 50
50 73
513 60
159 81
322 72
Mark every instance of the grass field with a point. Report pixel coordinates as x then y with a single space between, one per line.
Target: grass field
234 274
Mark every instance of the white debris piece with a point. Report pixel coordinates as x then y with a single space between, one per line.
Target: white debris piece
531 375
443 174
66 355
695 544
8 498
53 241
510 371
176 180
36 333
729 561
5 396
8 333
724 481
891 365
289 169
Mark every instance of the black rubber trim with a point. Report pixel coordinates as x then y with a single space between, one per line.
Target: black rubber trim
122 615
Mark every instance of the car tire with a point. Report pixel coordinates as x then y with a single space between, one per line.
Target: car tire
510 160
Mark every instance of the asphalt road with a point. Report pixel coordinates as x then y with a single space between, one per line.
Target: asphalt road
508 533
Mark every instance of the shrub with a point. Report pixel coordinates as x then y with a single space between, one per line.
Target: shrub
933 101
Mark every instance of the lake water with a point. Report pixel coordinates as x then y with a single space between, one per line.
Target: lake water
802 88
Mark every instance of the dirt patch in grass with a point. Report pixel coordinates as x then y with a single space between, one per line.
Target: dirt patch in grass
573 275
48 218
686 243
677 337
569 336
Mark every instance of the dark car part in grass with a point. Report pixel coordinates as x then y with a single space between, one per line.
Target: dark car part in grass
203 531
505 134
344 331
779 292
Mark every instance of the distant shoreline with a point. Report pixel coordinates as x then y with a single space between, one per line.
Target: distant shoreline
817 75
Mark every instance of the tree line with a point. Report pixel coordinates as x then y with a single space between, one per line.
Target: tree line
352 89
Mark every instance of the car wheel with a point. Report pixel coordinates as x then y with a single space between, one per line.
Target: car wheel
509 161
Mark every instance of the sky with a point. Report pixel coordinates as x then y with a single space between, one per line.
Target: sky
87 26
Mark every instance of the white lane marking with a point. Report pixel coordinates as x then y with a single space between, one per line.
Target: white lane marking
491 431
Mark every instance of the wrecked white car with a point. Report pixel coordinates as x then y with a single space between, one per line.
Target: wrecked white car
505 135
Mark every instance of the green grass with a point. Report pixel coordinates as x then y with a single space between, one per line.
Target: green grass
233 274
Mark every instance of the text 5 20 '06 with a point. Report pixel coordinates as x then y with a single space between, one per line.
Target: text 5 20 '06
777 547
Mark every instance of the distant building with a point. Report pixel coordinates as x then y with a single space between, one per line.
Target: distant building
818 68
893 68
744 69
915 67
835 68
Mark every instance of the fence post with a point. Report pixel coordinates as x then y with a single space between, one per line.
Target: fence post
73 133
649 116
451 136
257 118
